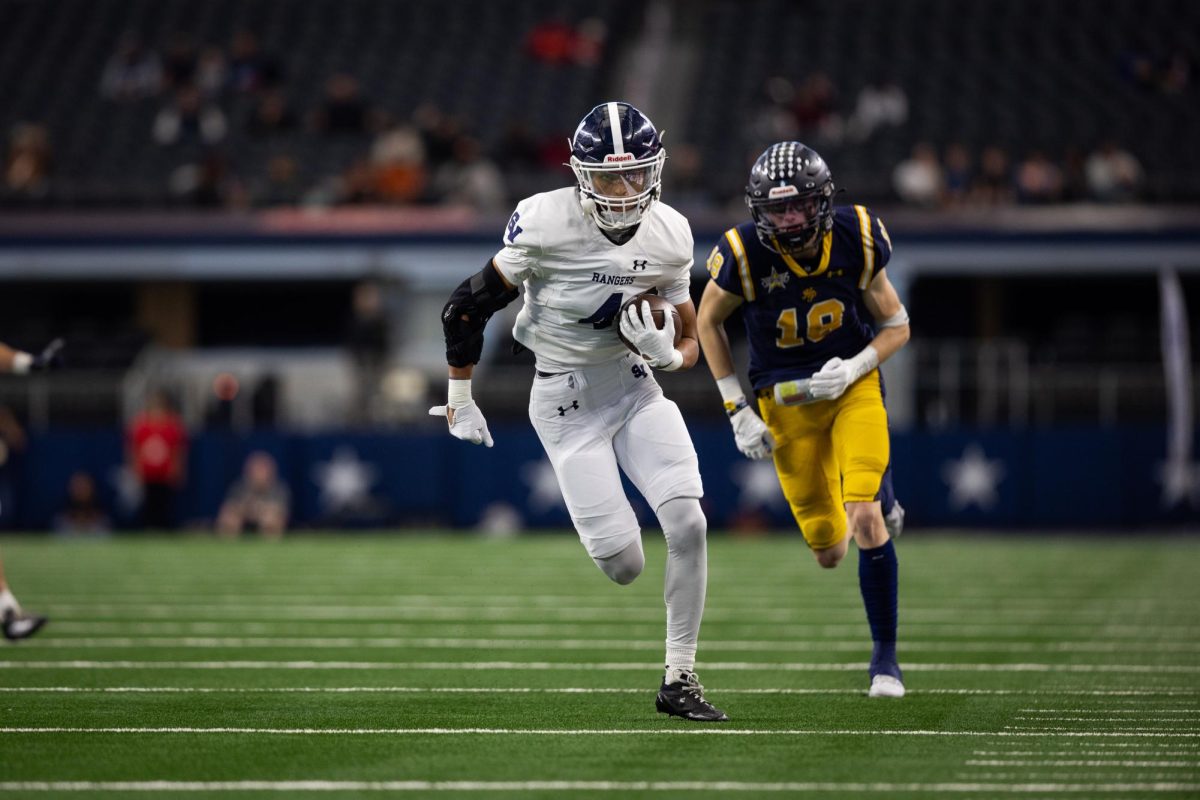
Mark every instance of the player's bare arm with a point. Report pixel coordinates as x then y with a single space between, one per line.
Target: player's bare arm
689 345
749 431
716 305
891 318
18 362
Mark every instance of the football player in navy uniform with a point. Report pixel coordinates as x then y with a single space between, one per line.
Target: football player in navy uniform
15 622
580 253
820 316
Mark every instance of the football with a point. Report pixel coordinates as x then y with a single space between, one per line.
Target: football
659 308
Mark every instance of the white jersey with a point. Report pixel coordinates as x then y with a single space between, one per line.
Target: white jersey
576 279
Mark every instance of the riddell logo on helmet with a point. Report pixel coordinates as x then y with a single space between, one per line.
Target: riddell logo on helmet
782 191
610 158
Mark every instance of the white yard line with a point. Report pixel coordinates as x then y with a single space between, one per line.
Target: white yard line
591 786
468 643
711 666
975 762
562 690
676 731
1102 719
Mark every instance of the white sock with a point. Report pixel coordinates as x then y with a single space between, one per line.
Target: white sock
685 528
7 601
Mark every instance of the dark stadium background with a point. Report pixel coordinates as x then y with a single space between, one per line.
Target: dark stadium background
326 146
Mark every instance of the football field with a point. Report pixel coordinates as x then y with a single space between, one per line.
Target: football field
422 665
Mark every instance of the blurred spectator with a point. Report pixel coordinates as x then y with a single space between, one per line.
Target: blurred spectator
156 452
398 161
918 179
207 183
27 168
367 340
471 179
250 69
280 186
189 120
179 63
132 72
1113 174
82 513
439 132
815 110
1074 175
775 120
344 110
212 72
556 41
519 150
993 185
956 174
882 103
685 184
1038 180
258 501
272 115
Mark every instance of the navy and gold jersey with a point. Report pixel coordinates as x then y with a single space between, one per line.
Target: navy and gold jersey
800 315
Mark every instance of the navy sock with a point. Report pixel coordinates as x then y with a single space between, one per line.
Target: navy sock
878 579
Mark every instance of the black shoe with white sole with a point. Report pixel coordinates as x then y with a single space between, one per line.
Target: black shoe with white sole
21 627
684 697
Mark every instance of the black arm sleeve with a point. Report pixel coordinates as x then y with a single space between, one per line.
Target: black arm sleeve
466 314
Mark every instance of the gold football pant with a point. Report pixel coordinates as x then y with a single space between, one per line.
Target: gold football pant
829 453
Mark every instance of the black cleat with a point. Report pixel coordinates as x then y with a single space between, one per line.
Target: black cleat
21 627
685 698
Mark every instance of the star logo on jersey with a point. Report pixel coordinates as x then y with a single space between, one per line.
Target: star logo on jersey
776 280
810 294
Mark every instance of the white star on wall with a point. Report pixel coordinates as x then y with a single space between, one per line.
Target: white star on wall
544 493
758 485
973 479
344 480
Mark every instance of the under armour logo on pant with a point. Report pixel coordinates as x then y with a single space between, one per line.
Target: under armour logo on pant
562 410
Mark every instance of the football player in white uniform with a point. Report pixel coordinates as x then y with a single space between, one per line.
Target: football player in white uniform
16 623
580 252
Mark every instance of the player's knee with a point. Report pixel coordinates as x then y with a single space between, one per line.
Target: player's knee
684 525
625 566
830 557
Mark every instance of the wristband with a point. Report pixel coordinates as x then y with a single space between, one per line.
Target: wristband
675 363
458 394
732 407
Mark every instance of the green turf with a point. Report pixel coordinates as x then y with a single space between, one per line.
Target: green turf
1037 667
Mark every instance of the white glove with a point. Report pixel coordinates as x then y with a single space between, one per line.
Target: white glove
835 376
752 435
656 346
464 417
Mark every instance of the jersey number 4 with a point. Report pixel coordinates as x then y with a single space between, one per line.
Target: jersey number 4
823 319
603 316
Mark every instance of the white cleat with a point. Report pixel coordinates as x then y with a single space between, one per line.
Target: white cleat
886 686
894 521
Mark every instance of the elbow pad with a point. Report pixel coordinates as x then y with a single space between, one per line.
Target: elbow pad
467 312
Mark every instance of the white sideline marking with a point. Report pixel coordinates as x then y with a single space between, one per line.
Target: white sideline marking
1077 763
1129 731
560 690
691 731
1104 711
488 611
552 628
584 786
712 666
469 643
1106 753
1102 719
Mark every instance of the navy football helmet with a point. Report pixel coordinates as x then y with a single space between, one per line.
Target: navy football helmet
790 195
617 157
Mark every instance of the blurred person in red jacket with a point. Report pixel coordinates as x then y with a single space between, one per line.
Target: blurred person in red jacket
156 449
